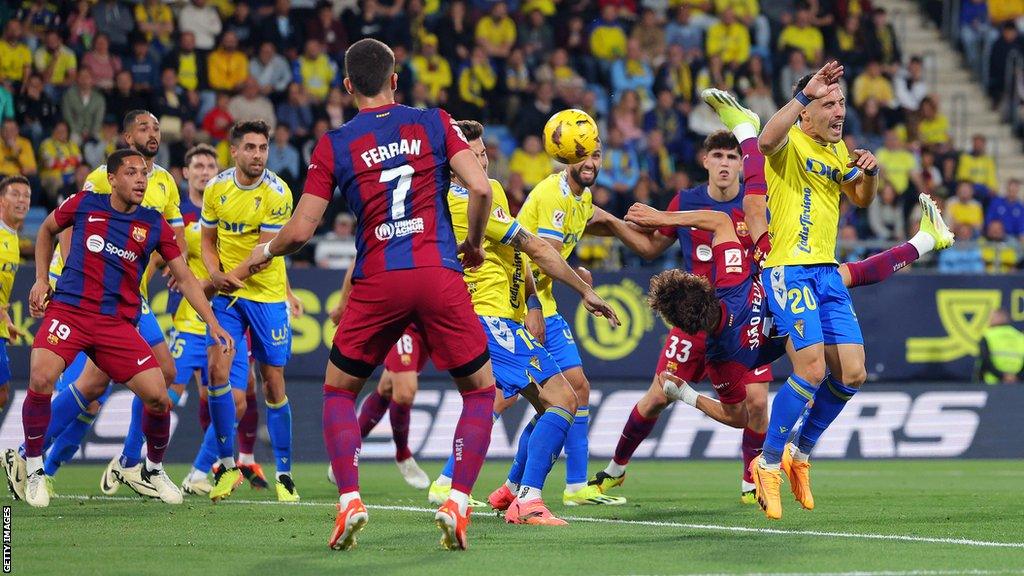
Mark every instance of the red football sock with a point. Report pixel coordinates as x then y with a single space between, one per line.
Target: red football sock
204 413
752 442
157 429
341 436
881 265
753 167
35 418
400 415
637 428
248 424
472 437
371 412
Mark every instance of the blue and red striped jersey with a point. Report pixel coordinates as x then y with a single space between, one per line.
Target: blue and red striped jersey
108 253
694 244
391 165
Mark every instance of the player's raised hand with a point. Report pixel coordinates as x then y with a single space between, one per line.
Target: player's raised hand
295 306
598 307
825 80
221 337
863 159
646 216
472 256
225 282
39 297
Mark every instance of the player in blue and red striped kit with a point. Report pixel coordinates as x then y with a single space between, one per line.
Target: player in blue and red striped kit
392 164
96 307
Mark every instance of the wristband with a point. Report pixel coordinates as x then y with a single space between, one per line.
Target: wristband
533 303
266 251
872 172
802 98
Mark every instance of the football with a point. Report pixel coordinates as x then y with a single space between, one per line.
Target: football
570 136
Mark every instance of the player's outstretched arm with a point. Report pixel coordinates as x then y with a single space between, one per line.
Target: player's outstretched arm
295 233
776 132
478 211
649 244
718 223
46 242
550 261
862 190
192 290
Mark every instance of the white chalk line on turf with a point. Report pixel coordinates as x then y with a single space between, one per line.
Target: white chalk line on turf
653 523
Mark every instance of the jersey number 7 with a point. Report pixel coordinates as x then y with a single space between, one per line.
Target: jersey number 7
404 176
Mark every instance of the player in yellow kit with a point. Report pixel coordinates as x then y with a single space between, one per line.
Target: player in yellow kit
808 168
558 210
15 196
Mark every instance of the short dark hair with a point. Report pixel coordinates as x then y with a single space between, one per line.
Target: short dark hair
369 64
802 83
240 129
721 140
471 129
117 158
686 301
200 150
129 118
11 181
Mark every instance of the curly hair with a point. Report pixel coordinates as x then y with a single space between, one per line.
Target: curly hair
684 300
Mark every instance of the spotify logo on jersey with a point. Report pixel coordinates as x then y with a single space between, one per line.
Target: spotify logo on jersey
95 243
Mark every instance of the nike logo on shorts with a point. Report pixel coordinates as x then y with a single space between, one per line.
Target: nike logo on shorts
142 361
760 371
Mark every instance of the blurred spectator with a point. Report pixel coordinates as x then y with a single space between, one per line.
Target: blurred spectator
909 85
271 71
188 64
754 85
676 76
320 127
249 104
933 128
337 248
715 74
976 33
16 154
607 37
432 70
178 149
885 215
316 71
218 120
649 33
455 33
964 257
964 210
201 20
631 72
282 28
851 42
35 110
173 105
56 63
530 161
59 156
328 30
873 84
76 185
476 81
143 66
335 107
115 20
6 103
882 42
496 32
101 63
1008 209
682 31
796 68
850 249
295 112
283 158
372 21
802 35
536 37
669 121
156 21
95 151
931 177
1001 351
124 97
620 170
83 107
15 56
979 168
628 119
516 192
532 117
1008 43
658 166
899 164
729 39
497 161
517 85
81 26
242 24
999 253
227 66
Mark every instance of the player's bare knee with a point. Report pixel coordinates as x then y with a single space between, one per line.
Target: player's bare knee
854 377
42 381
273 383
812 371
558 392
403 395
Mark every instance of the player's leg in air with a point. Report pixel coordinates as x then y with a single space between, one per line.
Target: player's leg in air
248 427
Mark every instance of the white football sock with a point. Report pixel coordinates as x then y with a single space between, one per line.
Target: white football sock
924 243
575 487
348 497
744 131
443 480
614 470
247 459
461 499
527 493
153 466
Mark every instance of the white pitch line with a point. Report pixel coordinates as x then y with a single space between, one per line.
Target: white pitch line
653 523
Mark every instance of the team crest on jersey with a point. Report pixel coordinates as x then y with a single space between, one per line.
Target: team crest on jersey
138 233
799 327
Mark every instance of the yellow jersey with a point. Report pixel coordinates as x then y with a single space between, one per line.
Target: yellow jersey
10 257
804 177
497 286
240 214
186 319
13 60
553 211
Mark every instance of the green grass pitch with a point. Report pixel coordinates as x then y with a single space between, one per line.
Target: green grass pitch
916 518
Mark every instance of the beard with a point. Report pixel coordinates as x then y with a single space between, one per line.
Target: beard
144 150
249 171
575 173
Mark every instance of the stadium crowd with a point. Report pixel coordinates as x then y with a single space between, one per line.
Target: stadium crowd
70 70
